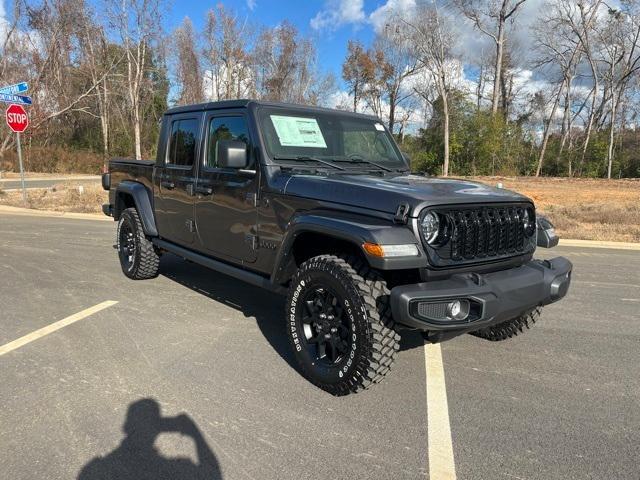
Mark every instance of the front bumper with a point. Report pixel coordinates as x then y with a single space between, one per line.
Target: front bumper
494 297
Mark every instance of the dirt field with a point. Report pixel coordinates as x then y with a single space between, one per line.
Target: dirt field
61 198
580 209
583 209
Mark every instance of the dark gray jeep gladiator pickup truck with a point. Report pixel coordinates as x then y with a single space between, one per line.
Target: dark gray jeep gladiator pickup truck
320 205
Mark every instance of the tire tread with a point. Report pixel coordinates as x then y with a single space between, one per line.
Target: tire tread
510 328
148 263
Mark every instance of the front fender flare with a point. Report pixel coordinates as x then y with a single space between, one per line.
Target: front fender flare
142 200
356 230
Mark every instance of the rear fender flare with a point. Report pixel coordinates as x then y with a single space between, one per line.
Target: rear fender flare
142 199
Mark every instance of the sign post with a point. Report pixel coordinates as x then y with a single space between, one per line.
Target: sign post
18 121
24 188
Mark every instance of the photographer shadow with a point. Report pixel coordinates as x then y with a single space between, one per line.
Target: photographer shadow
136 458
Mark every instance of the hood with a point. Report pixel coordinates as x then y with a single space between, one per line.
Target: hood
386 193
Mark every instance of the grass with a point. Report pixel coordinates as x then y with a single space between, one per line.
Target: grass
55 160
579 208
65 197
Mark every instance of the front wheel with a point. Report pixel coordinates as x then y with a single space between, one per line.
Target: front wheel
339 324
138 258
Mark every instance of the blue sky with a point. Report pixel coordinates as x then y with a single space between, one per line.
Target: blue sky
330 34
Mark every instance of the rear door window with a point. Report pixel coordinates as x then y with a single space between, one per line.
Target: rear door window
183 142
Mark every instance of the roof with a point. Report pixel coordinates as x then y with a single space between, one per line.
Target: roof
245 103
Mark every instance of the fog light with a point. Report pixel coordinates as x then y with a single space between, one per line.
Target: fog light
458 309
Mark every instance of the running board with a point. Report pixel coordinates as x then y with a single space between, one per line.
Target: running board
225 268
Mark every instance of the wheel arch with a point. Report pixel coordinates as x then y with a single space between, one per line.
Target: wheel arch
309 235
131 194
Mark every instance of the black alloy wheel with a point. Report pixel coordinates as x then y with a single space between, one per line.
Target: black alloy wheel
326 328
127 246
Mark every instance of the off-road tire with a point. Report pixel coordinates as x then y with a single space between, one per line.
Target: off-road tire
509 328
145 260
374 342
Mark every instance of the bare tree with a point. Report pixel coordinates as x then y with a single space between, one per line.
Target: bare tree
619 40
228 64
276 57
582 24
398 56
99 64
188 66
286 66
44 52
380 75
139 26
433 43
491 19
357 69
558 50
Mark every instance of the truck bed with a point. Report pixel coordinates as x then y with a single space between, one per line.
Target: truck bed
129 169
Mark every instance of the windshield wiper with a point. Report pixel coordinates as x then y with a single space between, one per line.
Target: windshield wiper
356 159
305 158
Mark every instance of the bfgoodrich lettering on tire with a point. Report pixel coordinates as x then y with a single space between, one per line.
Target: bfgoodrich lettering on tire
138 257
339 324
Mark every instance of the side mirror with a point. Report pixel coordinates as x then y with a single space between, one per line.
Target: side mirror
547 237
232 154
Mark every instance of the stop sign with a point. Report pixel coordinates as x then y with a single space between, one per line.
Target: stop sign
17 118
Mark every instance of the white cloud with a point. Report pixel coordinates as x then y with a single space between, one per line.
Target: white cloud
251 4
393 8
337 13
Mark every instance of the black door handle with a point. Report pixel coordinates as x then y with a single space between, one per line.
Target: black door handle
168 185
204 190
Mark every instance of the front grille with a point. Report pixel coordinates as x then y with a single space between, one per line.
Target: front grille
483 233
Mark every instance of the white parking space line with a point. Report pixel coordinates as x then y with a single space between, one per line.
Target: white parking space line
441 462
30 337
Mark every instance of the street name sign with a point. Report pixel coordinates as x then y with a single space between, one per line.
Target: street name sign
15 89
21 99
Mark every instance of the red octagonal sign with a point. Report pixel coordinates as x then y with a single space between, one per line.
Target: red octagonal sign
17 118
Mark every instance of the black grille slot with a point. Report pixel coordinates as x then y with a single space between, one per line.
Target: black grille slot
433 311
484 232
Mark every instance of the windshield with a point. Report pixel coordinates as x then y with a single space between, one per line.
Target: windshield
297 134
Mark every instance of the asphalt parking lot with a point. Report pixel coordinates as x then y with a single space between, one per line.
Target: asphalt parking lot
189 375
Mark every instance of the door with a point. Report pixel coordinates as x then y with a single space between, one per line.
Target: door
176 178
226 200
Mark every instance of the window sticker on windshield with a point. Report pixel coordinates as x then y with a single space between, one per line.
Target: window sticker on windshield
379 127
298 131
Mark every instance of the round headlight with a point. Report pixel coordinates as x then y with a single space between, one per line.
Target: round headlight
430 227
529 221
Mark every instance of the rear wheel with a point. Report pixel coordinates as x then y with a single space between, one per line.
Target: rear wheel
509 328
138 258
339 324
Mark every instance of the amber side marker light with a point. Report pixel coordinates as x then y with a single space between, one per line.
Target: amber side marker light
388 251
